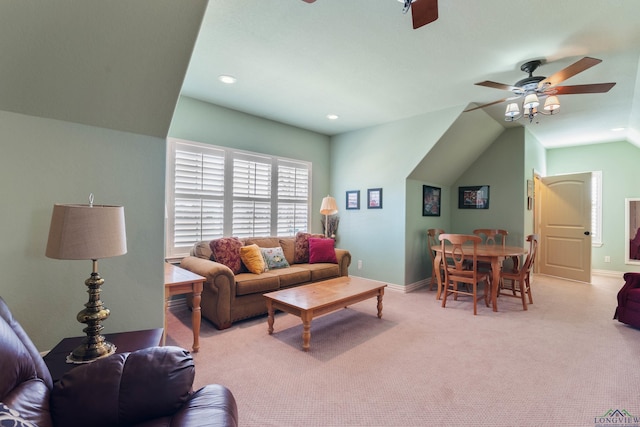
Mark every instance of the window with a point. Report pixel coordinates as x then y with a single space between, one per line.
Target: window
596 208
218 191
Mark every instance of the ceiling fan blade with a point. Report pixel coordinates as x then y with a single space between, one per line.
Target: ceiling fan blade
491 103
573 69
424 12
578 89
495 85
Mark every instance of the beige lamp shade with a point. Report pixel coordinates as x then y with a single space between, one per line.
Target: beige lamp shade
329 206
86 232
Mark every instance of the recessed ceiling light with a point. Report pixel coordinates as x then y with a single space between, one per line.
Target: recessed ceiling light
227 79
332 116
617 129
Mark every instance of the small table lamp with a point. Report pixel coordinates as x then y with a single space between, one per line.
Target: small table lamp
328 207
88 232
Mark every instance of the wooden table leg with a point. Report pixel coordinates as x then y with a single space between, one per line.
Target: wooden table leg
496 267
196 315
270 318
306 329
436 265
380 295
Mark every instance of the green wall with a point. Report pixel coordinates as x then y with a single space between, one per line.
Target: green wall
618 162
199 121
47 161
384 157
501 167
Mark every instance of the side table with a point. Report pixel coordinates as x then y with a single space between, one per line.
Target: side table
179 281
56 359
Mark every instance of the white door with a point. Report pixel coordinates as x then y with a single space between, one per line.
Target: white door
565 223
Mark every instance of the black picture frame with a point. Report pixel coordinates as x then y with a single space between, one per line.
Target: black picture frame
353 199
374 198
431 200
474 197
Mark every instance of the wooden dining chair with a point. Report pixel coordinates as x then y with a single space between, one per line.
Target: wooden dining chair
492 236
433 241
456 271
520 278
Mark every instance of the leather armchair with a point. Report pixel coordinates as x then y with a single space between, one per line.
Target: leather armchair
628 310
149 387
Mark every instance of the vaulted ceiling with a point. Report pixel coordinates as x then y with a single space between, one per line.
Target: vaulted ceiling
361 60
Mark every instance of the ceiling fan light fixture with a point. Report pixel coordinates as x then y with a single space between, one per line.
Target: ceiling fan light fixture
511 112
551 104
531 101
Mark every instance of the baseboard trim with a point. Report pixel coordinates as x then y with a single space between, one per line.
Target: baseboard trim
608 273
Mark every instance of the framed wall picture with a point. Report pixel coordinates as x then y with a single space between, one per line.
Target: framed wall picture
374 198
430 201
353 199
476 197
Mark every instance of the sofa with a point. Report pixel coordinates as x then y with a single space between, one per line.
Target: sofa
628 309
233 292
149 387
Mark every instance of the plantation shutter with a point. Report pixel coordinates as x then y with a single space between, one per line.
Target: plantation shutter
198 211
251 196
293 198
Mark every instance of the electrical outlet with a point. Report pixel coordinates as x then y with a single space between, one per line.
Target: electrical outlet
359 264
607 258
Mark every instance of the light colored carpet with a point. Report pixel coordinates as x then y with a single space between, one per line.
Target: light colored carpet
564 362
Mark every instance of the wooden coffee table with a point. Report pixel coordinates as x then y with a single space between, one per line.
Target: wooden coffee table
313 300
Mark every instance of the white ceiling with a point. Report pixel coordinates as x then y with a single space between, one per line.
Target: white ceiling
360 59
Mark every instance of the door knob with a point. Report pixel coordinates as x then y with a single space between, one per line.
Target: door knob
586 233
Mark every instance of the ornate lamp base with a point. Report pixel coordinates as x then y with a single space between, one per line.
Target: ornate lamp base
94 346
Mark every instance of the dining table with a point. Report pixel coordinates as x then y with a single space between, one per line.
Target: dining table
494 254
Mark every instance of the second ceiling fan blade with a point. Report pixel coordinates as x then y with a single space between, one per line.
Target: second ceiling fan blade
578 89
491 103
424 12
573 69
495 85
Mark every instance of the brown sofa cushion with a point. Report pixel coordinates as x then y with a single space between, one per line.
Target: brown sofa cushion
288 247
249 283
227 251
292 276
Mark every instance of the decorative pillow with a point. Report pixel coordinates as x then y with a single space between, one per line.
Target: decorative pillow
301 254
11 418
227 251
274 257
322 250
252 259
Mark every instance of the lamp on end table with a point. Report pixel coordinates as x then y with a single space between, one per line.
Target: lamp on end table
83 232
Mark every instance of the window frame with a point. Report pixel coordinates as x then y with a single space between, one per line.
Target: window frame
173 252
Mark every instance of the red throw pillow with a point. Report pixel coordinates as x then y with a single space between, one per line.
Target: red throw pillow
227 251
322 250
301 249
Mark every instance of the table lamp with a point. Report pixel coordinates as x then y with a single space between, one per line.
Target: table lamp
328 207
83 232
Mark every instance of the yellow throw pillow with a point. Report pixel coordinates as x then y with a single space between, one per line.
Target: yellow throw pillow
252 259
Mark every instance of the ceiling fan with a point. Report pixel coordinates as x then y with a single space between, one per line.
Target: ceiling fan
423 12
533 87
